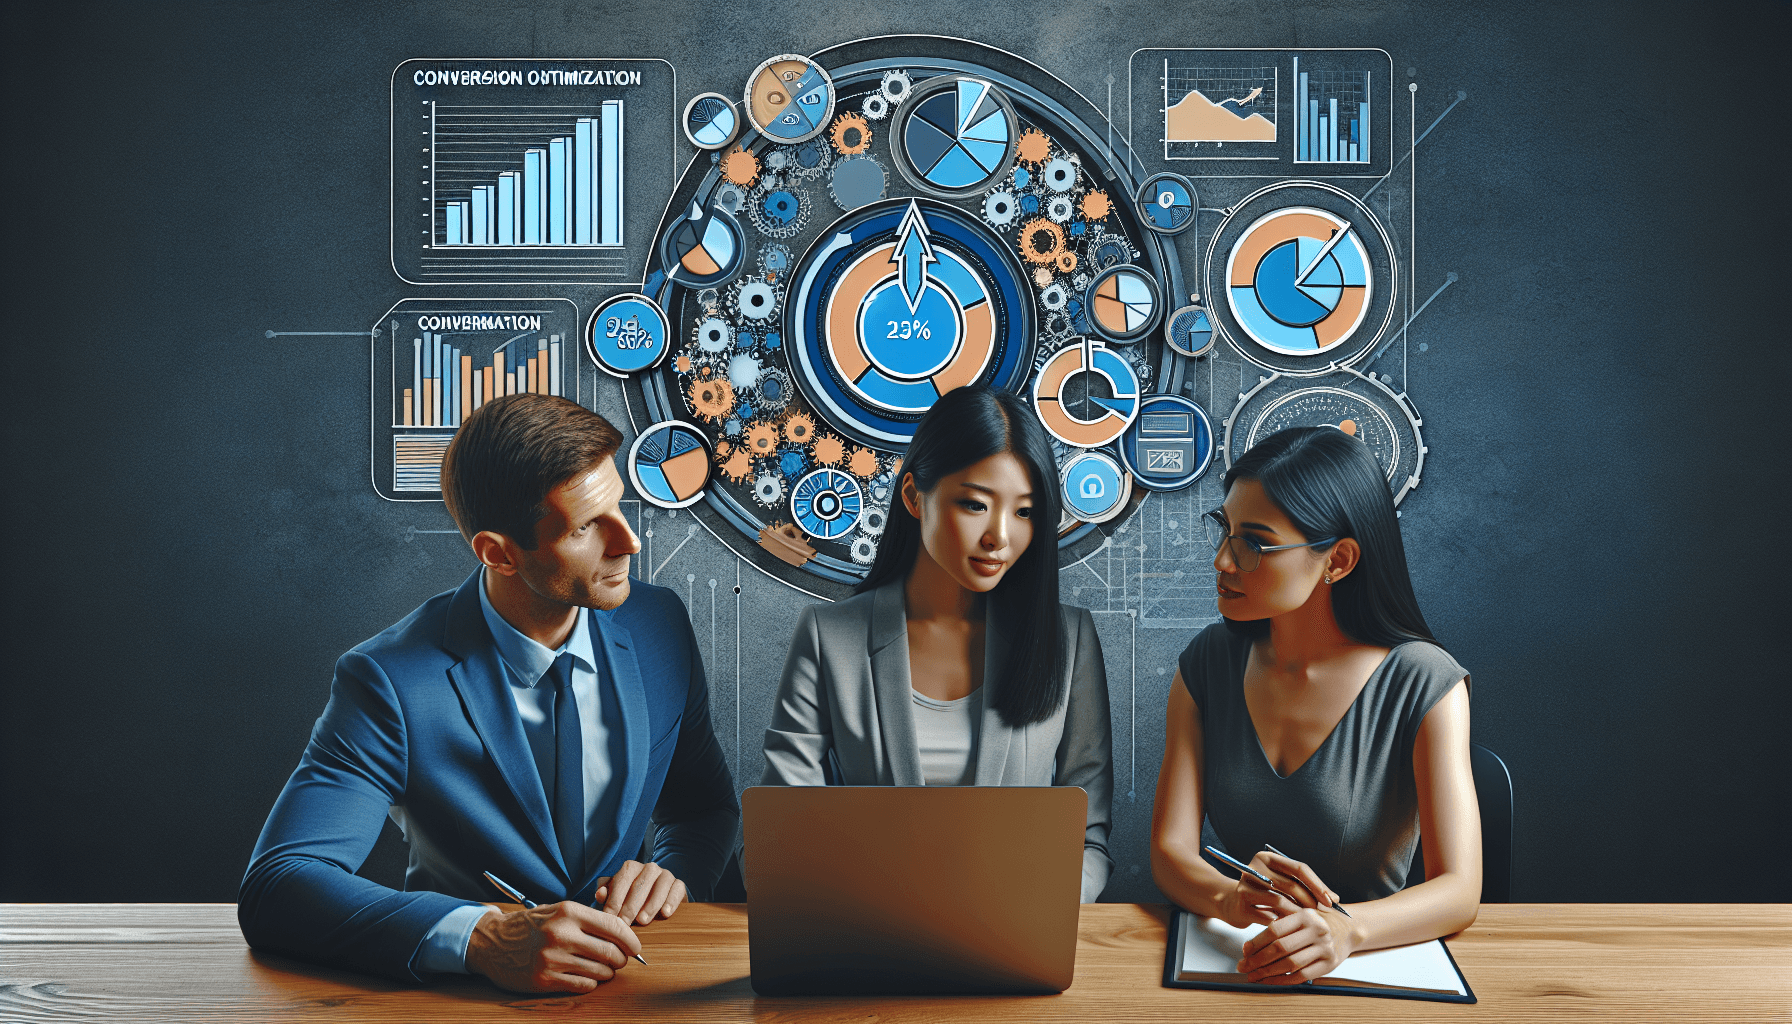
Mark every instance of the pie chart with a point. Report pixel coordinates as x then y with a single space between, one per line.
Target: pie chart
1189 331
790 98
1299 280
704 249
957 134
669 464
710 121
1123 303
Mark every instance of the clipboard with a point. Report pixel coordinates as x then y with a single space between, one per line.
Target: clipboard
1420 961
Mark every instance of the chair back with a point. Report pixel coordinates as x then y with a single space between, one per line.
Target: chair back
1493 792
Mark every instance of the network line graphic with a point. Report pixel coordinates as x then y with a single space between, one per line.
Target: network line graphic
531 175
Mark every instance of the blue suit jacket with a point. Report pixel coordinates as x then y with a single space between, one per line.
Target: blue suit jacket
421 718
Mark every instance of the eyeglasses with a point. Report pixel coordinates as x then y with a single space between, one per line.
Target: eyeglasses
1247 553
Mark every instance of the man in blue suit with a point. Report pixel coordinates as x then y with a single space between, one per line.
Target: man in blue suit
532 723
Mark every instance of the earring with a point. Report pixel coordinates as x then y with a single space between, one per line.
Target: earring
1328 577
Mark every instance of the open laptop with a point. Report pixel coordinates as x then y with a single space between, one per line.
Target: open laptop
889 890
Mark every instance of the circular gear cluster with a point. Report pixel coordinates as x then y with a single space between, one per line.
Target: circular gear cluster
740 167
755 298
711 398
1042 242
778 212
896 86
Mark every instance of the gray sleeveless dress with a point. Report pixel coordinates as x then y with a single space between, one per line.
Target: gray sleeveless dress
1351 811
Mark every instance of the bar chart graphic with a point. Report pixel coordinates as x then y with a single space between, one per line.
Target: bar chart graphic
1331 116
1217 105
528 175
436 362
529 171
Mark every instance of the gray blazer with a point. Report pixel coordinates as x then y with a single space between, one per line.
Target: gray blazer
846 687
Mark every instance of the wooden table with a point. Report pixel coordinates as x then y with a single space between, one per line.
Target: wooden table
1541 962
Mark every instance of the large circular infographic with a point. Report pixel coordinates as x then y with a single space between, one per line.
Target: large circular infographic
890 228
1307 275
1362 406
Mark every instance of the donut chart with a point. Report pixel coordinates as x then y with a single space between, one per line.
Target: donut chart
827 504
1299 281
669 464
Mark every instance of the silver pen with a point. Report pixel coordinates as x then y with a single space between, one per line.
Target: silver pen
1339 907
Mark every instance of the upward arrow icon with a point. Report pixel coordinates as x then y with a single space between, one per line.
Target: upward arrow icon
913 253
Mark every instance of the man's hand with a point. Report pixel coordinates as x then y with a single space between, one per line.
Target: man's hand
560 947
640 892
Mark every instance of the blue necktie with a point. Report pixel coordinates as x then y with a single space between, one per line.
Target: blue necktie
569 770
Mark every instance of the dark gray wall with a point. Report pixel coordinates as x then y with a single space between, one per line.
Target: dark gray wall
193 539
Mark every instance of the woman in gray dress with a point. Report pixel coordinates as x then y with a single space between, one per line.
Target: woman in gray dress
1321 718
954 664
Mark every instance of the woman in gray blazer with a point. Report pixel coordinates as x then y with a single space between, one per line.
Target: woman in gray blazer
954 664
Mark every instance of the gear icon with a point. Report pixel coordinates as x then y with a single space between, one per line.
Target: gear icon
1059 209
1109 250
857 181
777 159
774 389
755 298
1043 276
729 197
714 335
1080 282
682 362
740 167
743 371
829 450
774 260
896 86
736 466
864 550
768 489
873 521
1034 146
762 438
707 299
876 107
1059 174
811 159
1066 261
778 212
711 399
999 208
1056 325
862 463
1096 205
1041 241
850 134
1054 297
799 428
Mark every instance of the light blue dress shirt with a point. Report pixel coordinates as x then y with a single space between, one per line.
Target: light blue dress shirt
526 662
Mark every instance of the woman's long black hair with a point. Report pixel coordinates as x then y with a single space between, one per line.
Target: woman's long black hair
1329 485
968 425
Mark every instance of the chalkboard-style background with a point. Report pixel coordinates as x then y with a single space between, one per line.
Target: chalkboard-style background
192 537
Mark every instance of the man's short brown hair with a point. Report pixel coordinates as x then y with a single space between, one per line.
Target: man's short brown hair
510 453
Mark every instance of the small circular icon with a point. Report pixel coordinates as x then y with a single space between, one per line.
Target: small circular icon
705 248
1086 395
1095 487
790 98
1166 203
710 120
1124 303
626 334
669 464
826 504
1170 445
1190 331
954 136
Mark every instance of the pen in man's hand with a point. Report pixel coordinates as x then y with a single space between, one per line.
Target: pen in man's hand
511 892
1339 907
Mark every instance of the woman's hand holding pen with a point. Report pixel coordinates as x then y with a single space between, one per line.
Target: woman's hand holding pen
1304 942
